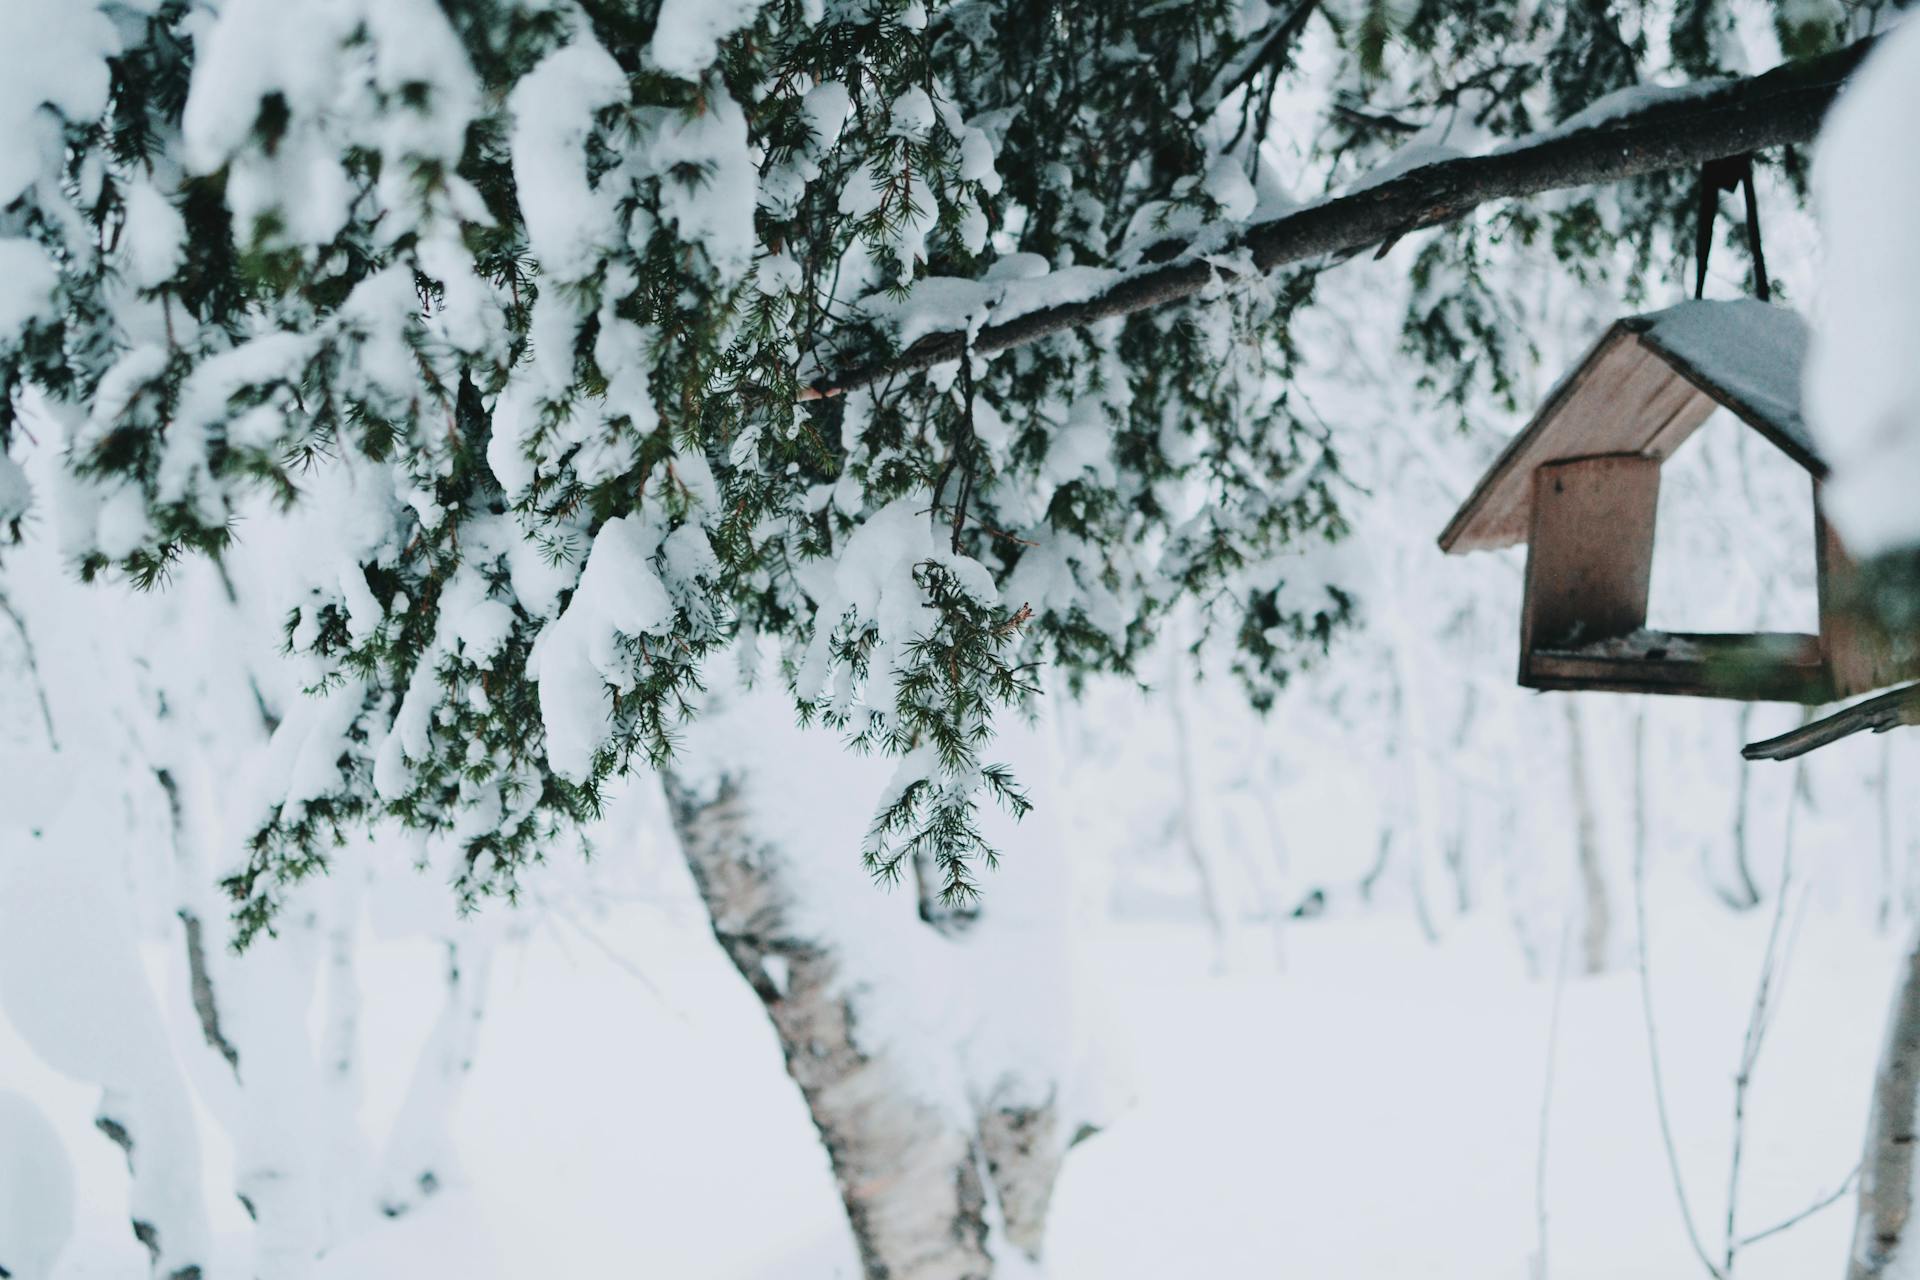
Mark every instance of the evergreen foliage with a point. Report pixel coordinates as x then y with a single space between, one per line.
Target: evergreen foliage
525 294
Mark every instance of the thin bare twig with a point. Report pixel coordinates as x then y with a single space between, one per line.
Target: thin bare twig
1653 1061
33 668
625 965
1759 1019
1546 1097
1831 1197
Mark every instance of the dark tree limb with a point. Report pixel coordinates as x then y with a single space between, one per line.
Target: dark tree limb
1781 107
1887 711
1273 51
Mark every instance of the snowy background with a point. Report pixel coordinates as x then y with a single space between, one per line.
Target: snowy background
1355 991
1369 986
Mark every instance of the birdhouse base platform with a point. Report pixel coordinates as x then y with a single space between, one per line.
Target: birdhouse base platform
1752 667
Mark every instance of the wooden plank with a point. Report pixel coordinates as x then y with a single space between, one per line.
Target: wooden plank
1690 407
1860 653
1802 687
1590 557
1623 399
1494 513
1766 667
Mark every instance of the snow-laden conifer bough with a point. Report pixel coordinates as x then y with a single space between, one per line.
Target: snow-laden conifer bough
527 325
525 362
1648 131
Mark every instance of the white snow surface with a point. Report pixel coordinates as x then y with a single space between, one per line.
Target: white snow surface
553 106
16 494
939 303
599 1100
687 35
52 60
1863 378
1754 351
73 987
717 212
577 657
154 238
870 583
27 282
1611 108
36 1190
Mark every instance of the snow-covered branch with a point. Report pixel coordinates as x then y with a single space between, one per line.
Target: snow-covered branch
1781 107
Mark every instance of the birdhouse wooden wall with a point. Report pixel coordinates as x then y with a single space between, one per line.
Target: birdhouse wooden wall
1591 550
1860 656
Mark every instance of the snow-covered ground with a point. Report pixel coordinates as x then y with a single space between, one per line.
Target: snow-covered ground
1371 1107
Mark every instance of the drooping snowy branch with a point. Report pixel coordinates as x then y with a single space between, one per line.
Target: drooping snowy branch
1674 130
484 307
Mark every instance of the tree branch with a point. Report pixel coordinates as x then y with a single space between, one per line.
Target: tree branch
1275 50
33 668
1887 711
1778 108
1832 1197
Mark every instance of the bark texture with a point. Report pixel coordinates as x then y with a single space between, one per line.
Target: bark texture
1022 1148
1781 107
1879 714
923 1191
1887 1165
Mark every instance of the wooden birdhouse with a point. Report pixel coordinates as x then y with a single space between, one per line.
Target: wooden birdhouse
1580 487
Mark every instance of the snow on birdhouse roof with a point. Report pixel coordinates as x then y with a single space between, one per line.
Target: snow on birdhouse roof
1644 388
1748 355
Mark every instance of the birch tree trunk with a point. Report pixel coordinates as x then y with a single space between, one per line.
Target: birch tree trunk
937 1184
1880 1244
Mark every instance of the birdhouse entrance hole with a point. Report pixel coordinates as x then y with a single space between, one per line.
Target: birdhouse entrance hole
1733 545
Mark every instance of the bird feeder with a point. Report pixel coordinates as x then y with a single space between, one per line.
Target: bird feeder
1580 486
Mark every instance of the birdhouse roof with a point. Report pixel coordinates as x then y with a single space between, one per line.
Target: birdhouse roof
1644 388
